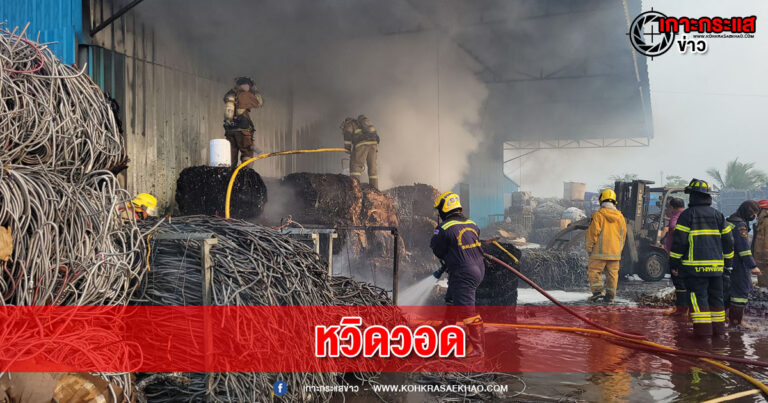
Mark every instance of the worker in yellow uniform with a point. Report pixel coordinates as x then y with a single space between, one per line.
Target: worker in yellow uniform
364 149
143 206
604 243
238 125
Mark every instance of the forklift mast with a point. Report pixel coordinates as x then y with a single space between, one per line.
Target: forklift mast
632 198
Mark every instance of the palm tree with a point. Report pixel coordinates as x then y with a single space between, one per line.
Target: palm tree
739 176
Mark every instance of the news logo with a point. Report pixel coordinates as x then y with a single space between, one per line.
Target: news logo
280 388
652 33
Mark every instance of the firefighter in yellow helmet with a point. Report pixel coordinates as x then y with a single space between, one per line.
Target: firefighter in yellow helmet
604 243
143 206
702 247
456 242
238 125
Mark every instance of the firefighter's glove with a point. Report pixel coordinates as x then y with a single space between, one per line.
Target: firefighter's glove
439 272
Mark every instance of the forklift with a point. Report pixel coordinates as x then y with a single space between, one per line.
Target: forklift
643 209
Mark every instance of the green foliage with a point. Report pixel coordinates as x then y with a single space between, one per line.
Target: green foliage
675 181
619 178
739 176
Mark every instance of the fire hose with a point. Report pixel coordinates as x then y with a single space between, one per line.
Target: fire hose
561 305
262 156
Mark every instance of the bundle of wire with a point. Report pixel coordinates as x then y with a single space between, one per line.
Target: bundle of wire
71 246
553 269
62 204
51 115
252 266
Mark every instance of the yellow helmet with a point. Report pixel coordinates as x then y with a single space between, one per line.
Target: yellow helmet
145 202
447 201
608 195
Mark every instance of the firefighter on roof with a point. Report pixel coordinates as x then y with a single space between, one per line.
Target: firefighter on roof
238 125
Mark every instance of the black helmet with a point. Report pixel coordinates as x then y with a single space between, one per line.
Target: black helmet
698 185
243 80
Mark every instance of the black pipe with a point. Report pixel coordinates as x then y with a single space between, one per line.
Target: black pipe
115 16
395 265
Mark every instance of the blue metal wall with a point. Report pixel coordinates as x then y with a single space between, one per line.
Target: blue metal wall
487 184
56 21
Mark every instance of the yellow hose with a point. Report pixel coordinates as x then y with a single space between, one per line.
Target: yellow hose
262 156
733 396
506 251
762 387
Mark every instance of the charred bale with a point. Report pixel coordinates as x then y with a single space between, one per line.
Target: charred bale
324 199
202 190
415 200
378 209
499 287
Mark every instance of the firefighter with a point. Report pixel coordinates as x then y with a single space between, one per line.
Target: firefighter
238 125
760 243
365 147
604 243
143 206
675 208
456 242
702 245
744 265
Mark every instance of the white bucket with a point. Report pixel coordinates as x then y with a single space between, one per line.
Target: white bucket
218 153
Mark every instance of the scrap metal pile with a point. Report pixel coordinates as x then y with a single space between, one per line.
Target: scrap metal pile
203 189
555 269
252 266
53 116
59 199
57 194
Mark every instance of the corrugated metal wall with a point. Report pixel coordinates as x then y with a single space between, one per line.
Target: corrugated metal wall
55 21
170 106
487 184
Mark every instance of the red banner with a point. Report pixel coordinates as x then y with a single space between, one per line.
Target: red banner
304 339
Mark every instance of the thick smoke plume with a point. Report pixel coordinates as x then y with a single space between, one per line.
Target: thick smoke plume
344 58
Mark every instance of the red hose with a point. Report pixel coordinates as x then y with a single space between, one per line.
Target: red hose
565 308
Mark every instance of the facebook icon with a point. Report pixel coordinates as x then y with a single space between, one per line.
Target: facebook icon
280 388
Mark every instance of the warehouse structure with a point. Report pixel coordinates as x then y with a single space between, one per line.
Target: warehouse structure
477 78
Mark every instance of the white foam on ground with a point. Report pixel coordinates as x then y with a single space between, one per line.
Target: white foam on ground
531 296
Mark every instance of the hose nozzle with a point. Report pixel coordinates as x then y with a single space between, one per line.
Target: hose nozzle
438 273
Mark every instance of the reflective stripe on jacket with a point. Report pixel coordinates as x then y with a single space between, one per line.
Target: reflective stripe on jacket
742 254
702 243
456 241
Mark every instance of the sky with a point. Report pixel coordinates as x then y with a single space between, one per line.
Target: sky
707 109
